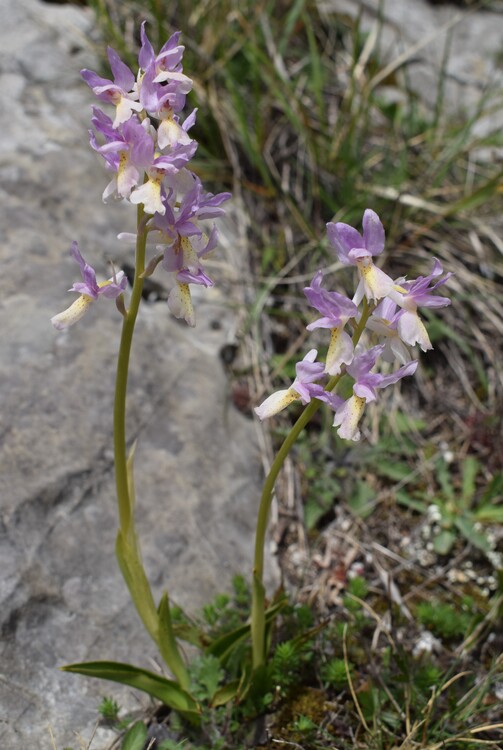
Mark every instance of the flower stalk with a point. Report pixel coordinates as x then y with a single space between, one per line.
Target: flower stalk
128 324
258 590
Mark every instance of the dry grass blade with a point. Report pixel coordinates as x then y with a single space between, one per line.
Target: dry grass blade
402 59
350 680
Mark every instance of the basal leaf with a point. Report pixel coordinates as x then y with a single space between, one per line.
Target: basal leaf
443 542
167 691
226 693
470 471
138 585
477 538
223 645
168 645
135 737
490 513
404 498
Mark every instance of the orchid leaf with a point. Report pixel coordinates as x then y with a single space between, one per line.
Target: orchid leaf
477 538
138 585
404 498
135 737
443 542
226 693
489 513
470 471
168 645
167 691
223 645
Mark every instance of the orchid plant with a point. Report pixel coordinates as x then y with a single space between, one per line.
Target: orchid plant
147 148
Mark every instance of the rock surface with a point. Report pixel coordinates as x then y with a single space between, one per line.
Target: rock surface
198 465
464 43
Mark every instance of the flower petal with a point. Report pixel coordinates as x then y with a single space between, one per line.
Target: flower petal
412 331
348 416
150 195
180 303
373 232
340 351
72 314
275 403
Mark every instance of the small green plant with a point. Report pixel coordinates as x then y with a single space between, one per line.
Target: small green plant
206 675
109 710
444 620
335 673
285 665
304 724
460 507
357 588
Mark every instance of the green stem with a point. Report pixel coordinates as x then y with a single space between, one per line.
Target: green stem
120 449
127 549
258 591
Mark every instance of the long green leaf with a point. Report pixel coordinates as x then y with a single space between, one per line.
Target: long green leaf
480 195
136 737
477 538
226 693
168 645
138 585
410 502
289 23
470 471
489 513
223 645
167 691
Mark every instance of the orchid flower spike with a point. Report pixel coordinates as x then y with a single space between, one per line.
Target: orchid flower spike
89 290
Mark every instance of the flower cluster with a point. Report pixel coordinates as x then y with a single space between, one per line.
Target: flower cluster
389 318
147 148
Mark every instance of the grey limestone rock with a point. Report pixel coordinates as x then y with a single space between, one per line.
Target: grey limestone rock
62 598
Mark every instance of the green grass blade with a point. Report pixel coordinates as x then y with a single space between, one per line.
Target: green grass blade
288 26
